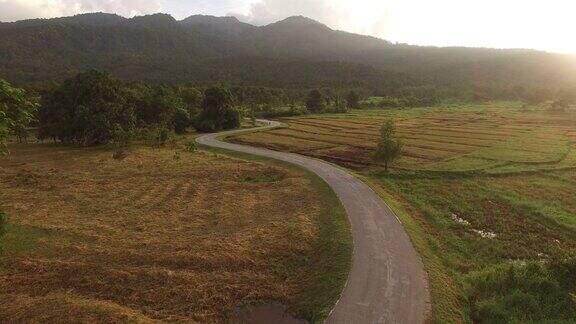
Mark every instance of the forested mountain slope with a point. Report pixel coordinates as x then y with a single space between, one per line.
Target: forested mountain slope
295 52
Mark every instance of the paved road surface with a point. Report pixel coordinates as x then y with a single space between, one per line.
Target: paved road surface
387 282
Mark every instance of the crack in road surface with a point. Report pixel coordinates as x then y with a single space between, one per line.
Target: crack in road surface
387 282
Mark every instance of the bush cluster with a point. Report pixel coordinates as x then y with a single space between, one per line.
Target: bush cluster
96 108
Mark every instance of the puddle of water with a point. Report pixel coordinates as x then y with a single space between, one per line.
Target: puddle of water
264 314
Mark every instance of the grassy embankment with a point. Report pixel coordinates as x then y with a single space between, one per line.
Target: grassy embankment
485 191
162 235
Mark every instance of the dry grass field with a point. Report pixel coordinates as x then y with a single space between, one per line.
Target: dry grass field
486 192
476 138
164 236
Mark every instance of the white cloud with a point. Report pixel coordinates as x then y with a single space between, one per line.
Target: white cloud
11 10
360 16
268 11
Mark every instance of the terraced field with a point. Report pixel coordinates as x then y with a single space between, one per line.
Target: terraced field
486 193
486 138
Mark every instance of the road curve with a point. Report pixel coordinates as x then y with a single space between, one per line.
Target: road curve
387 282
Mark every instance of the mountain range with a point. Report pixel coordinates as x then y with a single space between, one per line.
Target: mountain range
295 52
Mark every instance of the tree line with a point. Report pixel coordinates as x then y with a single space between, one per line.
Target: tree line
97 108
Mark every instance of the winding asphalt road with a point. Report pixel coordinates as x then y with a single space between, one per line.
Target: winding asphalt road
387 282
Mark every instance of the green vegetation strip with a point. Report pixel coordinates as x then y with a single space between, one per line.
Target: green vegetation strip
493 256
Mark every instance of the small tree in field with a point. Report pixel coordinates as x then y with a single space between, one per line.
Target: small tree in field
389 146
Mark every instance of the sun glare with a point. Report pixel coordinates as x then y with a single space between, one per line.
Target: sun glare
543 25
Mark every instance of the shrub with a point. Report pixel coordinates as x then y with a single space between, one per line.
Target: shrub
191 146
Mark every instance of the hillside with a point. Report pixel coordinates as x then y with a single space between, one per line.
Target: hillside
295 52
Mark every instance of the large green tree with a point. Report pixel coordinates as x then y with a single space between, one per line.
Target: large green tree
389 147
218 112
16 113
87 109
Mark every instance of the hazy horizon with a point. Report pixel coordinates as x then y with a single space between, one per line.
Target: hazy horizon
492 24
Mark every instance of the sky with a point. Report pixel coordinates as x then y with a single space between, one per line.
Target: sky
540 24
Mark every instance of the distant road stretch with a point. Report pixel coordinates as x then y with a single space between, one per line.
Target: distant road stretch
387 282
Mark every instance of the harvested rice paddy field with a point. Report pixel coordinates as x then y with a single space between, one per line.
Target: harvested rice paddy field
486 191
164 235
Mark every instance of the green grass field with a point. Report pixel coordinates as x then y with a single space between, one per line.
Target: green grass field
486 192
